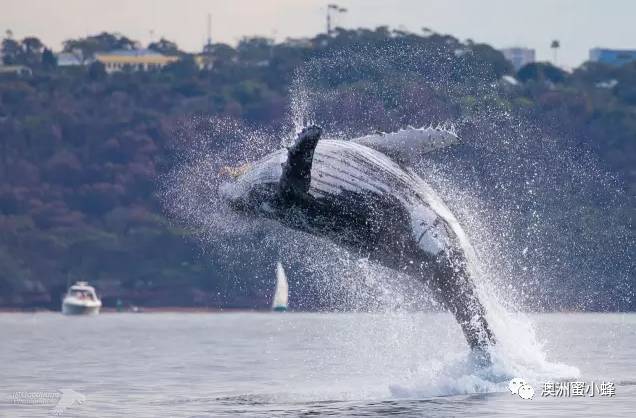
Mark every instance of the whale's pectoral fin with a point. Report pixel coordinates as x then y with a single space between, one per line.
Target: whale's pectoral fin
296 176
408 145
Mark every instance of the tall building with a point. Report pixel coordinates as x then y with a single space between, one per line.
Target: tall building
612 56
519 56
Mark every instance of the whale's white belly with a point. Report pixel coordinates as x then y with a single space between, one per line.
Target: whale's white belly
340 166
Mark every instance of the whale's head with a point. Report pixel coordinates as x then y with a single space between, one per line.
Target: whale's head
254 187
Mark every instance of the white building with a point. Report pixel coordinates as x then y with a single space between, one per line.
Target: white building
519 56
69 59
19 70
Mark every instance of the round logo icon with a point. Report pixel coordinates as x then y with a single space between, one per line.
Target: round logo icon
519 386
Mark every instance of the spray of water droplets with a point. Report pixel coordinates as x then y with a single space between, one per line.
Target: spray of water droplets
539 213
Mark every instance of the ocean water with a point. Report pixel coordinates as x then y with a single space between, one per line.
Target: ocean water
307 364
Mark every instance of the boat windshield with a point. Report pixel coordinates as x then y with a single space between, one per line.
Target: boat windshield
82 294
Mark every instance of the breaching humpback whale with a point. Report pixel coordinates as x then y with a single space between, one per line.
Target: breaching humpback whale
361 195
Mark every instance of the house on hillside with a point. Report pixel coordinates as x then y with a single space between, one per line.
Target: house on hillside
69 59
134 60
19 70
612 56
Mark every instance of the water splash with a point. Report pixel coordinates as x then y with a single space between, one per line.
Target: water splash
500 185
299 104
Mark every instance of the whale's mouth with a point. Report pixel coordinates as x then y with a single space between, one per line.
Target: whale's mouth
234 171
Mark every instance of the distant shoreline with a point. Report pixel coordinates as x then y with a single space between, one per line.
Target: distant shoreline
188 310
169 309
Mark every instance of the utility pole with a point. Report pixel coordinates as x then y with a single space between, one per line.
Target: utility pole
336 9
329 7
209 29
555 45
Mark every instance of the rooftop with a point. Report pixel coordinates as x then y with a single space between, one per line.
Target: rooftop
132 53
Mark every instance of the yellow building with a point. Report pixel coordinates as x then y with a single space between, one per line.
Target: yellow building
134 60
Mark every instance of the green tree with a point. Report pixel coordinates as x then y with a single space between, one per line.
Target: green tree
541 72
165 47
11 51
255 50
222 53
102 42
186 67
49 61
32 45
96 71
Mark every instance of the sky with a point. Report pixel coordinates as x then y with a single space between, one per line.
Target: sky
578 24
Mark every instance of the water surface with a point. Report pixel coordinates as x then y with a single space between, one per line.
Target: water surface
304 364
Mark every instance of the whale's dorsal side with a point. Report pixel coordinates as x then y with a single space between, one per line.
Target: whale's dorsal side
296 176
406 145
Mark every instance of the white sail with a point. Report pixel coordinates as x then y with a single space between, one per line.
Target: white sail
282 289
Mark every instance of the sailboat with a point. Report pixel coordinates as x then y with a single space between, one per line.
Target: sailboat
281 293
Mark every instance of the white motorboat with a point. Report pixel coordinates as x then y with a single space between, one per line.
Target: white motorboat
81 299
